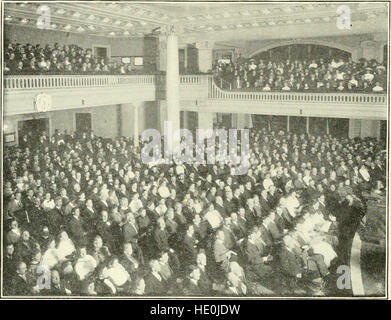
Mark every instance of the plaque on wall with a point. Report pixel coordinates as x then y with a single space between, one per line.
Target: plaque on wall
42 102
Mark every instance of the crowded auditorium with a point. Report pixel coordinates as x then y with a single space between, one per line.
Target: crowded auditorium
302 96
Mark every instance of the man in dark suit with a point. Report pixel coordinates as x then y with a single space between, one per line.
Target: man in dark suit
129 261
190 285
55 218
154 283
20 284
204 283
130 229
75 228
25 247
256 257
160 236
189 252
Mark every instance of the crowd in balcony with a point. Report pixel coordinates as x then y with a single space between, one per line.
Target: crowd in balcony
311 75
91 218
29 59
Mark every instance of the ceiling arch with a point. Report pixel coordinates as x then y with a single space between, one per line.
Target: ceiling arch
280 43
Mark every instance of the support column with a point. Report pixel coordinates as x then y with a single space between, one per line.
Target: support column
205 55
135 127
130 121
241 121
287 123
205 120
162 54
371 50
172 82
307 125
327 126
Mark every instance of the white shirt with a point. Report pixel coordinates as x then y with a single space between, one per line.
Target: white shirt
164 192
84 266
267 183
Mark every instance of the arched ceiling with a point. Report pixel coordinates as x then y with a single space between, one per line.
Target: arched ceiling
216 21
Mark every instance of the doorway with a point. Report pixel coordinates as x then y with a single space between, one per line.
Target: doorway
83 122
32 129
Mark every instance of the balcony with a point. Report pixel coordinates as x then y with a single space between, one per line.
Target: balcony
197 92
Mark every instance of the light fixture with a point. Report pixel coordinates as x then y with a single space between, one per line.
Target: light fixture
91 27
24 20
76 14
126 33
105 20
91 17
129 24
8 18
80 29
68 27
53 26
112 33
60 11
117 22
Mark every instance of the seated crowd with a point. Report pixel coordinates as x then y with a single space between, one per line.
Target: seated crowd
90 215
315 75
31 59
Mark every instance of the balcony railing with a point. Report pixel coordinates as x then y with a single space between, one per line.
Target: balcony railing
74 81
17 83
216 93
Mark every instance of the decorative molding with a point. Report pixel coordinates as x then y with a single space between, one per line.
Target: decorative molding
42 102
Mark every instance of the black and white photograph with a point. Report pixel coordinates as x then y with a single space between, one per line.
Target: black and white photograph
192 150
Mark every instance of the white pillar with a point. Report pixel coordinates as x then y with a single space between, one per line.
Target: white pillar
172 82
327 126
162 54
205 55
287 123
205 120
135 127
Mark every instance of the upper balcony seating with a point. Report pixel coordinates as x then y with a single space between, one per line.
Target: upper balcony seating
318 75
71 59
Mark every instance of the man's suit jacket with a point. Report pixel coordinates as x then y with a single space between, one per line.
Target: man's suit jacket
219 251
161 238
254 253
191 289
129 264
275 232
189 250
76 231
129 232
154 287
265 206
266 236
19 286
55 220
290 262
205 283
